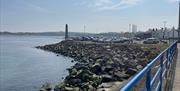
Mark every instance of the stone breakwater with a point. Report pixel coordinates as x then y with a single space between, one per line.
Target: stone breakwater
99 63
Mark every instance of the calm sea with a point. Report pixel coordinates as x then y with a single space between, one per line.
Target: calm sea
25 68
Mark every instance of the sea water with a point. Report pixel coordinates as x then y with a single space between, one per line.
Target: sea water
25 68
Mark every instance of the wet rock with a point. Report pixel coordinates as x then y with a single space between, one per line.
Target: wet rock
46 87
72 61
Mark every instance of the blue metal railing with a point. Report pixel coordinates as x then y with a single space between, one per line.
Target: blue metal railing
165 60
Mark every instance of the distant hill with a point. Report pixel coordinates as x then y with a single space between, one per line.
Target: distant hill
61 33
47 33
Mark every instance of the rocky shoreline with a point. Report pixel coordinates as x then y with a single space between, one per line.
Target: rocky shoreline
99 64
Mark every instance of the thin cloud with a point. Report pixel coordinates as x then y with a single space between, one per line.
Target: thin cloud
111 4
80 3
34 6
172 1
99 3
121 5
37 8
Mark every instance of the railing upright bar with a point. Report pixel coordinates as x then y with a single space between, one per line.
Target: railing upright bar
167 57
170 55
167 53
161 72
148 80
169 60
158 86
155 77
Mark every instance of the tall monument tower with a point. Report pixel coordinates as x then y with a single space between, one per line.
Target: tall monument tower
66 31
179 25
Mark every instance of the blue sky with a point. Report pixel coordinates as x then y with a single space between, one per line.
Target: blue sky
96 15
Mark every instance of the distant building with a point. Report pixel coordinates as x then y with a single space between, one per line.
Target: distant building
134 28
66 32
160 33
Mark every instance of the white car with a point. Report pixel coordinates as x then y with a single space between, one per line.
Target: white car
151 41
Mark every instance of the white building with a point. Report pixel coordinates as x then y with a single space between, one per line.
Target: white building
134 28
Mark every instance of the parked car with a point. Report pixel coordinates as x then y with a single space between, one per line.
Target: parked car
136 38
164 41
151 41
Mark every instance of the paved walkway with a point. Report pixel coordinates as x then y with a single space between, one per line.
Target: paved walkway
176 85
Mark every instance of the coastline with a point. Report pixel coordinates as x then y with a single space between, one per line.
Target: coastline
101 65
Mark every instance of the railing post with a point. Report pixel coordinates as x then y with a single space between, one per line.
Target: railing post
170 54
161 71
167 60
148 80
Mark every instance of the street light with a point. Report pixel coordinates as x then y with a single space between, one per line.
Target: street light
179 25
165 22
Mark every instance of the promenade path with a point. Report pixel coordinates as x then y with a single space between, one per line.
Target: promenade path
176 84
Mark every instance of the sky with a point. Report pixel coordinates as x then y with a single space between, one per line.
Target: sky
96 15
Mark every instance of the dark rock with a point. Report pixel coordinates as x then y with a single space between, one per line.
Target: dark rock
73 71
72 61
121 75
106 78
75 81
46 87
108 68
96 68
131 71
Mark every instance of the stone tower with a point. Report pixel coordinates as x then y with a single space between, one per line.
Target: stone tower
66 31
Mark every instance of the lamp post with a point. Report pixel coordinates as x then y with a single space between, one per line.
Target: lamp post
165 22
179 25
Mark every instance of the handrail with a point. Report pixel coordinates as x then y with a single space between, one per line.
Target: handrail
161 72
